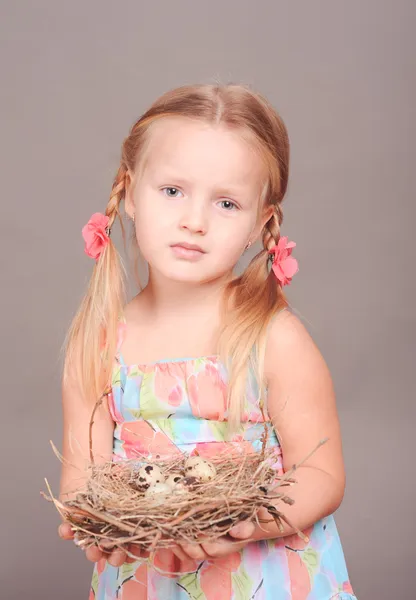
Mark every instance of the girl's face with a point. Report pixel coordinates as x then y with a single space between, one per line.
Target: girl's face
201 186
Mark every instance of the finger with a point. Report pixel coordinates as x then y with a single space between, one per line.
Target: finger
179 552
242 530
220 548
130 559
94 554
117 557
194 551
137 553
223 548
65 531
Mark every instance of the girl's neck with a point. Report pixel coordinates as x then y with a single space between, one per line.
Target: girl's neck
164 297
174 319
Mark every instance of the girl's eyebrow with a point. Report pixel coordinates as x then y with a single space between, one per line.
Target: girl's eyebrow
173 178
238 192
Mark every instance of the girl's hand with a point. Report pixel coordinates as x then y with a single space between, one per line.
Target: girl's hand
115 558
224 545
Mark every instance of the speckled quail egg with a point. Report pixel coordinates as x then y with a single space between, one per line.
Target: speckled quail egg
185 485
200 468
158 491
149 475
173 479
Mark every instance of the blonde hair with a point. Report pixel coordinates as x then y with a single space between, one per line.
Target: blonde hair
250 300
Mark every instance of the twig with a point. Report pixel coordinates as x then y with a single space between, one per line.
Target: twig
97 405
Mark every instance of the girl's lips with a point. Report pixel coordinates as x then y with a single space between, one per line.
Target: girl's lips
188 246
188 253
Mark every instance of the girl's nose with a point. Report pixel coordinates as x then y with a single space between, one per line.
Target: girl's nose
194 217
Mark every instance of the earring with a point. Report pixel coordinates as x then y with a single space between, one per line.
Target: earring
133 218
248 245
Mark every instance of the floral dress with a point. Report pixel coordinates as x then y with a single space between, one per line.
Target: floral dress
178 405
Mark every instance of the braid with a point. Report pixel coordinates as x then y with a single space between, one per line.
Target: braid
271 233
92 338
117 194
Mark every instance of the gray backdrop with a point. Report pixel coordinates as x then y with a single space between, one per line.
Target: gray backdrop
75 75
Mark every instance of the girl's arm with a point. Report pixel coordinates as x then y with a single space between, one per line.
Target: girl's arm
302 406
76 418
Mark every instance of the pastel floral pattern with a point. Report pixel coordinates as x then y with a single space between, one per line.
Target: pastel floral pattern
180 406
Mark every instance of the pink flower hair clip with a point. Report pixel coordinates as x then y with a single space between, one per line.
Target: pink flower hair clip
284 266
96 234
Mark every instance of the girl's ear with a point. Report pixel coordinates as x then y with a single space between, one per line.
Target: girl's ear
128 196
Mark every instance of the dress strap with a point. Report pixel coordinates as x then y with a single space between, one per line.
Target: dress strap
121 334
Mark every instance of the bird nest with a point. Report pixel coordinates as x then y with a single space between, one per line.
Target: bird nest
116 506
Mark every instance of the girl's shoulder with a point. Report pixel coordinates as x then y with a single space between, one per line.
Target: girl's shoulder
288 344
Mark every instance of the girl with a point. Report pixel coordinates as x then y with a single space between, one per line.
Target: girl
203 175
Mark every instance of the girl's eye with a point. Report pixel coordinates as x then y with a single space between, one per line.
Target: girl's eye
172 191
228 205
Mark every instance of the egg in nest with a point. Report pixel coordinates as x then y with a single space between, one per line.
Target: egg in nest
198 467
149 475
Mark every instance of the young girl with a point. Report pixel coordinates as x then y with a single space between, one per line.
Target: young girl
203 175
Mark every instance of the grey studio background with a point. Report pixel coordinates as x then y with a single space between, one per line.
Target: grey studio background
75 76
